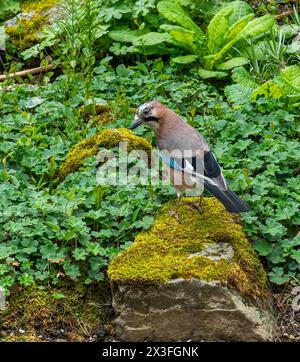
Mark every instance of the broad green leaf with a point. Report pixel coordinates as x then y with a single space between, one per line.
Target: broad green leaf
291 76
176 14
257 26
240 9
296 255
205 74
238 93
125 35
217 28
151 38
254 28
227 23
269 90
185 59
293 48
237 27
242 76
185 38
263 247
9 8
289 30
232 63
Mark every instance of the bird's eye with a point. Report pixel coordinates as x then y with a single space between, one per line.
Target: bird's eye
146 111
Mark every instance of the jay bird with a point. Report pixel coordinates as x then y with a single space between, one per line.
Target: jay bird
200 167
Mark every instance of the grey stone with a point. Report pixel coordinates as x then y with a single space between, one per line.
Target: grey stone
216 252
183 310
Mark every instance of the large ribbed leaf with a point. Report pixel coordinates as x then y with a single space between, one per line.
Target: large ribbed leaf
233 63
240 9
152 38
238 93
253 29
257 27
291 76
181 37
126 35
205 74
185 59
242 76
237 27
224 19
269 89
176 14
217 28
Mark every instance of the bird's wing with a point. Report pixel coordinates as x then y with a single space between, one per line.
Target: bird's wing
203 166
191 165
212 170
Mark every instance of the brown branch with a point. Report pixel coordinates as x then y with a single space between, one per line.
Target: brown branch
282 15
23 73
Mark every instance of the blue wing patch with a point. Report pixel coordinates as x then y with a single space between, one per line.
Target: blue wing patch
170 161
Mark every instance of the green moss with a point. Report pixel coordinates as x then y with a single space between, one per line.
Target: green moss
38 313
38 6
108 139
162 253
97 115
25 34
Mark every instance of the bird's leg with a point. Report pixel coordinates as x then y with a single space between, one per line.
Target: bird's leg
198 204
174 212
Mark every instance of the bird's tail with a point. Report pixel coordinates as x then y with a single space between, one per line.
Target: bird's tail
228 198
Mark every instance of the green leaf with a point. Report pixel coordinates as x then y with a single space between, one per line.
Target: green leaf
240 9
185 38
185 59
9 8
205 74
291 76
58 296
253 29
217 28
277 276
293 48
237 27
269 90
238 93
126 35
242 76
182 37
53 226
232 63
263 247
175 13
227 23
152 38
296 255
256 27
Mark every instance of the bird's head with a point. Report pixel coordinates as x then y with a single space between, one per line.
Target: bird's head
149 113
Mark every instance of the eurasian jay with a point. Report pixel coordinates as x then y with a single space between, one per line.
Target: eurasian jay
176 139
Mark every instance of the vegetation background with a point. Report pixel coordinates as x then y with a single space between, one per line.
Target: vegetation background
230 68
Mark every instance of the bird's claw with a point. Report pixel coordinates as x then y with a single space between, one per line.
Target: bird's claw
174 213
196 206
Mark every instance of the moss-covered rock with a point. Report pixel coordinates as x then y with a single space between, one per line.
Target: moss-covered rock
192 279
24 29
108 139
25 34
99 114
173 249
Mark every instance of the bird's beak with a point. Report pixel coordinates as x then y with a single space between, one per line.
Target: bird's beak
137 121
